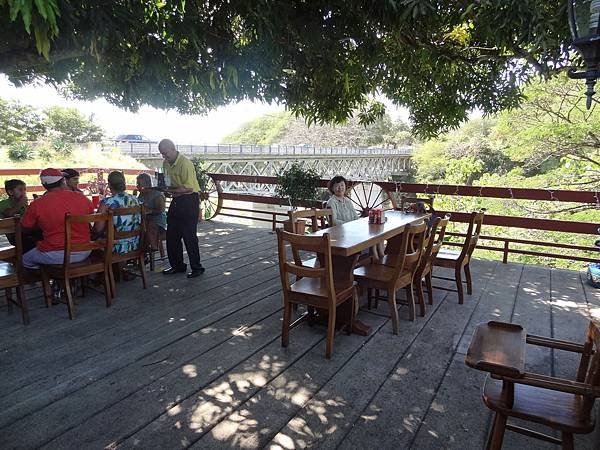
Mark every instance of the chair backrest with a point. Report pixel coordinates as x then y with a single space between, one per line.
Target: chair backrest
589 367
321 245
412 202
12 226
407 255
105 243
434 241
138 231
319 218
472 235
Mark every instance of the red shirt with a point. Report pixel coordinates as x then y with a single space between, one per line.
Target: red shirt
48 214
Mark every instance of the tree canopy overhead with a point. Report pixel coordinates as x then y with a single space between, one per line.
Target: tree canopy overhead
324 59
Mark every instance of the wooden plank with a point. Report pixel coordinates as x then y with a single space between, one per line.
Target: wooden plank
295 378
72 379
71 351
203 347
339 405
395 413
457 417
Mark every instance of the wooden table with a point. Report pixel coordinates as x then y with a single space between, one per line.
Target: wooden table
351 238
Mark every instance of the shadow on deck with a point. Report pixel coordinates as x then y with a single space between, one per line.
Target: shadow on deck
198 363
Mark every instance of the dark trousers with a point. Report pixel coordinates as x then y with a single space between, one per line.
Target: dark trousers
182 220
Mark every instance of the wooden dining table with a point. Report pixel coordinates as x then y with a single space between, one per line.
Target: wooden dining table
350 239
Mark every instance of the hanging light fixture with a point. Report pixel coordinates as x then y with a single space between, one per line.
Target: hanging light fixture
584 20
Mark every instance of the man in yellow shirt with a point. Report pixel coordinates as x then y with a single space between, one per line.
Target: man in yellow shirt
184 211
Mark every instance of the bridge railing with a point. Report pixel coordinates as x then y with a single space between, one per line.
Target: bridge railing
491 240
150 149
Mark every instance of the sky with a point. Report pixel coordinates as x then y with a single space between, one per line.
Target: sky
154 123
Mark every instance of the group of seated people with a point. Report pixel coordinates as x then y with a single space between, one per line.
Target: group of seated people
43 220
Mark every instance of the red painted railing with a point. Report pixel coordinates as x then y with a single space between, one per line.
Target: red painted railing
566 226
274 217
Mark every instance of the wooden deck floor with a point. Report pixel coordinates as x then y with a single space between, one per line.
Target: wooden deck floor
198 363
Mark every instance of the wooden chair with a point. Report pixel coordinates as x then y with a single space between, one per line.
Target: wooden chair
395 270
408 203
98 262
459 261
11 268
561 404
319 219
433 242
136 255
315 287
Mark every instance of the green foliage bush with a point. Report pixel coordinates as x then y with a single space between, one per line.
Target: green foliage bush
69 125
61 148
20 151
297 184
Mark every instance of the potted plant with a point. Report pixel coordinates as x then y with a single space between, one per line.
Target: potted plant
298 186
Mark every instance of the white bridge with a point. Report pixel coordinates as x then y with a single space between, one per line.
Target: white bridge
269 160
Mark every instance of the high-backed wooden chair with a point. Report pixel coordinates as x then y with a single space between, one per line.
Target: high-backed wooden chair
315 287
424 272
395 270
561 404
459 261
136 255
319 219
408 203
98 262
11 268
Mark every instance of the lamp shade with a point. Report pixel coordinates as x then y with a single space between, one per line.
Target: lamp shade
584 19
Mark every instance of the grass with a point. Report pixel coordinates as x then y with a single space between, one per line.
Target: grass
81 157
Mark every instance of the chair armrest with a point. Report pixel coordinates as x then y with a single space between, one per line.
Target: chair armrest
554 383
555 343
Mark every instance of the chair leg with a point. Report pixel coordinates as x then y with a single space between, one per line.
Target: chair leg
468 278
353 310
285 325
393 310
69 294
420 297
143 272
8 294
567 441
46 289
429 283
410 299
23 302
376 298
497 432
151 258
108 287
82 285
459 286
369 297
330 332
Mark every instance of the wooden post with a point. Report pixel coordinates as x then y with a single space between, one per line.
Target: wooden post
505 253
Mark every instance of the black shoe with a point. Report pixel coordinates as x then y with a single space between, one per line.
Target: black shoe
171 271
195 272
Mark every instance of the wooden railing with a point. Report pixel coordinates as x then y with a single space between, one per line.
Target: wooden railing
503 244
530 223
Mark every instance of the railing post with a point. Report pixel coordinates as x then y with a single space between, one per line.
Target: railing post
505 253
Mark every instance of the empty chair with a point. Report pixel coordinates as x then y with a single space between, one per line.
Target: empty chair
424 272
314 287
11 269
416 204
563 405
459 261
319 219
98 262
395 270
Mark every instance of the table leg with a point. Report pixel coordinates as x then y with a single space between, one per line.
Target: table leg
343 268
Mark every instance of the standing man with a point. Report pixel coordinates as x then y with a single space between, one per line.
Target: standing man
182 218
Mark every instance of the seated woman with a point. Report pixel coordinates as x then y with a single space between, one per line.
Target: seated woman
154 202
340 204
120 199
